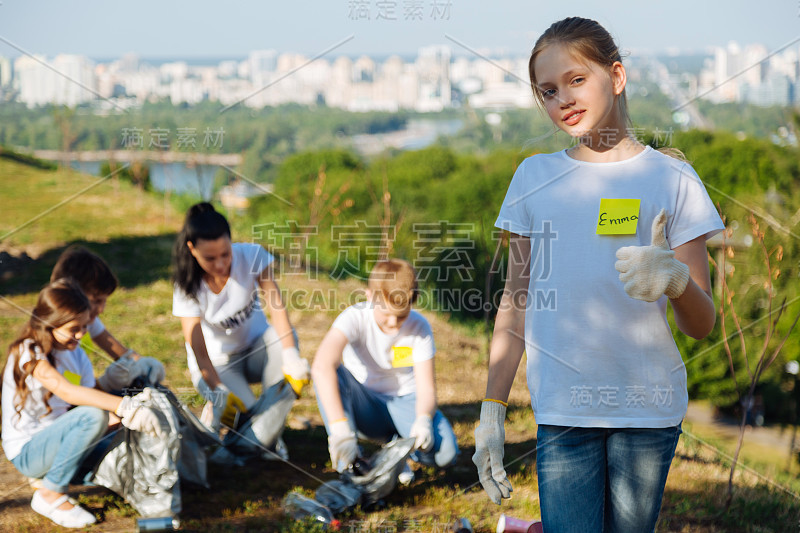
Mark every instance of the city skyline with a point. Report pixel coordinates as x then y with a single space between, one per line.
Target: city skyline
375 27
434 80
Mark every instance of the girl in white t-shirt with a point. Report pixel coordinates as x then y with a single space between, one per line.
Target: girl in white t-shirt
46 374
589 278
219 287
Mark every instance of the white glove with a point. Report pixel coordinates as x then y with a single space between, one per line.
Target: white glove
422 431
152 369
295 369
490 436
650 271
120 374
225 404
342 445
136 416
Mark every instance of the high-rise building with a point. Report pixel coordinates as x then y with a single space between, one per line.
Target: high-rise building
433 69
68 80
5 72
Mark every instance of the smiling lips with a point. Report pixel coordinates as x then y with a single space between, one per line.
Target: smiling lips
573 117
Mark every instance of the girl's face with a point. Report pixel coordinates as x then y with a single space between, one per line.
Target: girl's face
68 336
214 257
579 96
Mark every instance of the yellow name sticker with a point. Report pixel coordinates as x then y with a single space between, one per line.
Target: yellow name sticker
72 377
618 216
401 356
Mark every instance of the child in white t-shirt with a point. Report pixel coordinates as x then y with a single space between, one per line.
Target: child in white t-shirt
374 373
47 372
603 236
218 290
97 281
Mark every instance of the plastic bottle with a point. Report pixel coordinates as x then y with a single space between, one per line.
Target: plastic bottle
300 507
165 523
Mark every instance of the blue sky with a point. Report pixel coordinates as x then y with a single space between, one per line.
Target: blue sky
201 28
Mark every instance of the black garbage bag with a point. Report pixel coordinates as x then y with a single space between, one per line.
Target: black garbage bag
196 443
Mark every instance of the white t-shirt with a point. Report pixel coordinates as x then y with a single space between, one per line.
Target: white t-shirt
596 357
384 363
17 431
233 319
95 327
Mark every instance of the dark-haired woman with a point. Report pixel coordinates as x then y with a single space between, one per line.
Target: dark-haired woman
219 288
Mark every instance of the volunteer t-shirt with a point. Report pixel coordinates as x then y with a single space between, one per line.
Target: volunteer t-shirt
233 319
17 431
95 327
597 357
381 362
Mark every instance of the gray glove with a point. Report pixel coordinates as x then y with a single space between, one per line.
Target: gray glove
490 436
120 374
152 368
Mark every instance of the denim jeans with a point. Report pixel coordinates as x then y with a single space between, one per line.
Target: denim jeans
57 452
608 480
382 417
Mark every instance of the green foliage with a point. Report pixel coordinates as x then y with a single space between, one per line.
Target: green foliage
136 173
451 200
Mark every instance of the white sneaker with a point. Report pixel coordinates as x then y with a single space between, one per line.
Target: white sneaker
75 518
406 476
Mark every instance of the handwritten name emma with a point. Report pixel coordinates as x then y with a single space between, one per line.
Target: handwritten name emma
614 221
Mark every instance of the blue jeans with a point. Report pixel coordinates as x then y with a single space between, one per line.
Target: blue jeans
608 480
58 451
382 417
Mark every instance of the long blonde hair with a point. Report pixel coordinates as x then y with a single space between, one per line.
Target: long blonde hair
59 302
588 40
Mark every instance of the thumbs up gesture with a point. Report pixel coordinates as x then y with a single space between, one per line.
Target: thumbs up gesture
650 271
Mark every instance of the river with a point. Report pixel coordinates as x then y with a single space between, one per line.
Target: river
199 179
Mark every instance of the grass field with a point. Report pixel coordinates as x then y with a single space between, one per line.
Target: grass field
134 232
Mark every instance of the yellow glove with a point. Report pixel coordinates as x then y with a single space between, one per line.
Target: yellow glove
295 369
226 406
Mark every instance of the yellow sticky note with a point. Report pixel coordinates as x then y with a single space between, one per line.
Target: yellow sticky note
401 356
618 216
72 377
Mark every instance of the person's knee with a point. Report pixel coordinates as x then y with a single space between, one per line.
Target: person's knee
448 451
93 419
